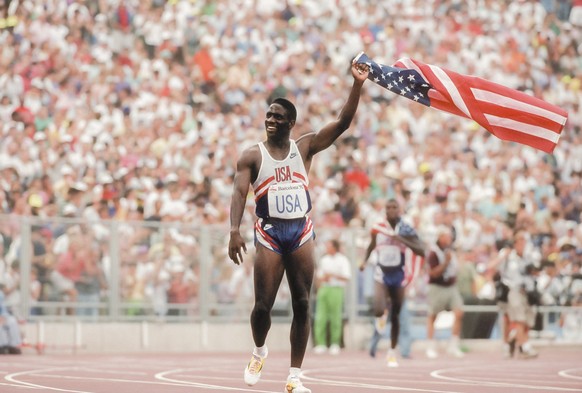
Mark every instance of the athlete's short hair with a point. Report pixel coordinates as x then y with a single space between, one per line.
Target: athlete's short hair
289 107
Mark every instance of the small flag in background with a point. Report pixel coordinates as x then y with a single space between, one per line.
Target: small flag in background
507 113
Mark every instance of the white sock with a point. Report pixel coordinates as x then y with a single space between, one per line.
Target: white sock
261 351
294 372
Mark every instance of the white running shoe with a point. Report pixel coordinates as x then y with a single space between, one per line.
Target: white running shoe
431 353
294 385
253 369
320 349
456 352
334 349
391 360
528 354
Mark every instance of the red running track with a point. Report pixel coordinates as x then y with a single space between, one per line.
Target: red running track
558 369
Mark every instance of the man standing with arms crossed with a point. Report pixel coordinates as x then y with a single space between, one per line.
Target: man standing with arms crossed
333 273
277 169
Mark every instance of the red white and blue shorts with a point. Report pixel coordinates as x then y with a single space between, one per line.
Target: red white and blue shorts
283 236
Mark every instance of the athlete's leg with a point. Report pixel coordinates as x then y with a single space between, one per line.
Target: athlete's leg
300 266
396 299
380 299
268 273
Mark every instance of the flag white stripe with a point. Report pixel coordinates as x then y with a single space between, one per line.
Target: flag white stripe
408 63
507 102
538 132
451 88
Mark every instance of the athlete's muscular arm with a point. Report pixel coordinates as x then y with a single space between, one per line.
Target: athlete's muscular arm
245 168
413 242
330 132
369 250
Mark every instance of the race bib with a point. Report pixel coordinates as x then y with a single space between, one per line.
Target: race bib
288 200
389 256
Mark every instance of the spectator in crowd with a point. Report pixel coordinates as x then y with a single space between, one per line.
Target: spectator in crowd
90 282
571 321
443 294
333 273
515 267
10 336
153 88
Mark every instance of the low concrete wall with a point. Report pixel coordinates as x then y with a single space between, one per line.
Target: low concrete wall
85 337
135 337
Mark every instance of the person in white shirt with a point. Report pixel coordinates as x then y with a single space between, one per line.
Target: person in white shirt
333 274
514 265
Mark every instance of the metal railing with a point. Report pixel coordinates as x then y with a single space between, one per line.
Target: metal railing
122 248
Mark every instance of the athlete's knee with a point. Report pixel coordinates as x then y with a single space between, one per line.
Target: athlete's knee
395 314
261 309
301 308
394 317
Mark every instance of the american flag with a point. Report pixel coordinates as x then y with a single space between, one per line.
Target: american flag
507 113
412 266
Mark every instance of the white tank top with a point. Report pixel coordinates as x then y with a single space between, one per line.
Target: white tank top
282 186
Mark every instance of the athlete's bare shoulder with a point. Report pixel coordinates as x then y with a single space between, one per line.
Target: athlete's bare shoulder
250 155
304 144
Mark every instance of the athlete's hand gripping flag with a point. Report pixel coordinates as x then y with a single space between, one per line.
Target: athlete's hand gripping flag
507 113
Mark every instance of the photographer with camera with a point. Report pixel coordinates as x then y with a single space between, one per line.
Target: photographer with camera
517 294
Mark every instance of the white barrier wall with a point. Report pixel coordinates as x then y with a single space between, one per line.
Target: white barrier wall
127 337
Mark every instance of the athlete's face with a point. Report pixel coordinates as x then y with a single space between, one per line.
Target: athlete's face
392 211
277 121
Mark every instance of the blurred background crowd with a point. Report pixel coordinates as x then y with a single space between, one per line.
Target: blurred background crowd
135 111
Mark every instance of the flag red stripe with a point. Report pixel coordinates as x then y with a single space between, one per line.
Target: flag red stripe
517 115
478 108
509 134
442 99
507 113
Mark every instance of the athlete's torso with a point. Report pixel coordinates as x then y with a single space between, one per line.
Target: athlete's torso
390 252
282 186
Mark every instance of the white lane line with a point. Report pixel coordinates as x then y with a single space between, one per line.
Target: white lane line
39 373
12 378
566 373
163 376
16 386
438 374
330 382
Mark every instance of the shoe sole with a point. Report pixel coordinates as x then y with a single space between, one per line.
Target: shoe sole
252 383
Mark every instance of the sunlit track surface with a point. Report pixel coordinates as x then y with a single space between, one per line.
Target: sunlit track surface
556 370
